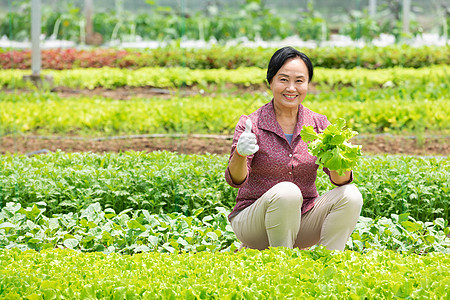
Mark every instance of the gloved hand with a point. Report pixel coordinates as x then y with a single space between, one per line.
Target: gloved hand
246 144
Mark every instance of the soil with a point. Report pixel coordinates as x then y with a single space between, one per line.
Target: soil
127 93
427 146
198 145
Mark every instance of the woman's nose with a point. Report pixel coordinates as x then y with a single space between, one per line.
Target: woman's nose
290 87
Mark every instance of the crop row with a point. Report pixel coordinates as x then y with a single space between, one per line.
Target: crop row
177 77
47 113
164 182
276 273
134 231
228 57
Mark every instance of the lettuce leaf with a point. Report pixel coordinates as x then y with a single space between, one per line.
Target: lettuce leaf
332 147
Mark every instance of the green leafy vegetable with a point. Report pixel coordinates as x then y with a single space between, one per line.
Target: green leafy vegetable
170 182
128 232
331 147
277 273
133 231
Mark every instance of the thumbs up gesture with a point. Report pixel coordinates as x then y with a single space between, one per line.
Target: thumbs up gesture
246 144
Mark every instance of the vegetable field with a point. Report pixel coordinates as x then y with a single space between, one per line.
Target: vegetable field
129 222
275 273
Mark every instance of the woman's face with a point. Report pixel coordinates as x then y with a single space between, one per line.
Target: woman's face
290 84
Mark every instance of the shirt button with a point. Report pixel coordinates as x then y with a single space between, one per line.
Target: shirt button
290 155
290 173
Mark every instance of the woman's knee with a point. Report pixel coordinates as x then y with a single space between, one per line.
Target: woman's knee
287 194
353 197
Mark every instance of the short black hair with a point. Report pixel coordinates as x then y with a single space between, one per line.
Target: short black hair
279 58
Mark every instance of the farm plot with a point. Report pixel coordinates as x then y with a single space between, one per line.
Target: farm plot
159 219
146 215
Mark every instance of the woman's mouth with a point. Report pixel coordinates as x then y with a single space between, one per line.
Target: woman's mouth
290 97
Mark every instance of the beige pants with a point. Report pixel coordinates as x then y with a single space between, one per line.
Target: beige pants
275 219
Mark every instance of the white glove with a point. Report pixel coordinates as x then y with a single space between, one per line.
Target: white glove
246 144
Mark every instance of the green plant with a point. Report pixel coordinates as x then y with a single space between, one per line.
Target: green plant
133 231
164 182
398 110
228 57
391 21
15 24
360 26
158 182
401 233
332 147
311 25
128 232
64 23
325 79
250 274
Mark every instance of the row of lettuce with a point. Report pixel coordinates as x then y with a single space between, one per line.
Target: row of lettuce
227 57
177 77
276 273
418 111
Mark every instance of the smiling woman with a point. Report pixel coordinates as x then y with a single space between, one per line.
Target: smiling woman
289 88
277 202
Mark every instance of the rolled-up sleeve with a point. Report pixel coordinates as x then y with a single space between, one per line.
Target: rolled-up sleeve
230 181
327 171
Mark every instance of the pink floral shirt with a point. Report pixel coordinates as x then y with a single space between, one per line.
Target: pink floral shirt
276 159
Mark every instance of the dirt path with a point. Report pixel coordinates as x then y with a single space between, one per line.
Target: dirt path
371 145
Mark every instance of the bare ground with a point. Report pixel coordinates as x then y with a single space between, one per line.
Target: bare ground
197 145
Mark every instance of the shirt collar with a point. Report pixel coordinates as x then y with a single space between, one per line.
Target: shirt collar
268 120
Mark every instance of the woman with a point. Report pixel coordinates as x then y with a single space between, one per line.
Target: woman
277 202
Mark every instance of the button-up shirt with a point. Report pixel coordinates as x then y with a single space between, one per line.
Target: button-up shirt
277 160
